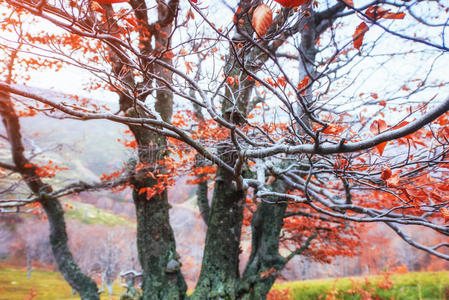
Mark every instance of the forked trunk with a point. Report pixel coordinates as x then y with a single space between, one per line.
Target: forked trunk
220 266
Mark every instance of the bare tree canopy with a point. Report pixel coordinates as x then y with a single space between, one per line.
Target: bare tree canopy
306 118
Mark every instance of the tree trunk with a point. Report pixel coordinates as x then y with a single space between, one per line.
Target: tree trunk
162 278
220 266
265 262
29 261
84 285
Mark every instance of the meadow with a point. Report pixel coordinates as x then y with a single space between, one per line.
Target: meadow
415 285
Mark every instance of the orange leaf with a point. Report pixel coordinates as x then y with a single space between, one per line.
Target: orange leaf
378 126
304 82
386 173
445 213
396 16
358 35
95 6
349 2
381 147
393 181
262 19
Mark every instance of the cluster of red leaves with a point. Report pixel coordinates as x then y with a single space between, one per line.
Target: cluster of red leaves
277 294
202 174
111 176
334 238
373 13
45 171
164 176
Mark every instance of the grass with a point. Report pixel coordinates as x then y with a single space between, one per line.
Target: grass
419 285
415 285
46 284
89 214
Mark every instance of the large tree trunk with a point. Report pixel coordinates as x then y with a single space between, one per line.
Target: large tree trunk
220 266
265 262
162 278
157 249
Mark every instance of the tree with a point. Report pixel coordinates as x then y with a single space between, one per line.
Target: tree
309 118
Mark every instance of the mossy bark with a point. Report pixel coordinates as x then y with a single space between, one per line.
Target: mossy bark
203 201
157 249
265 262
162 278
84 285
220 266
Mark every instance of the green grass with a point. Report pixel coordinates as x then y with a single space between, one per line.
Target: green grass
48 286
89 214
416 285
420 286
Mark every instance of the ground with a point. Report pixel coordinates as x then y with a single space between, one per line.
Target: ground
417 285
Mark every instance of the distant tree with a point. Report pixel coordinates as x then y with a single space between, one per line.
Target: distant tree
37 245
103 250
309 117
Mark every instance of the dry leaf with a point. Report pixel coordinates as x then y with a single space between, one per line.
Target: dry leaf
262 19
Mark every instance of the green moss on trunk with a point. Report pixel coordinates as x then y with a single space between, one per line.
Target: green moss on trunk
219 273
162 278
265 262
85 286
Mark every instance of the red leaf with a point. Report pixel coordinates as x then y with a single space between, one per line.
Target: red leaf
262 19
378 126
445 213
394 16
381 147
111 1
386 173
349 2
358 35
304 82
393 181
376 12
291 3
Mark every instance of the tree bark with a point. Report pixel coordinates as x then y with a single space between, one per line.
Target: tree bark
220 266
157 249
265 262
